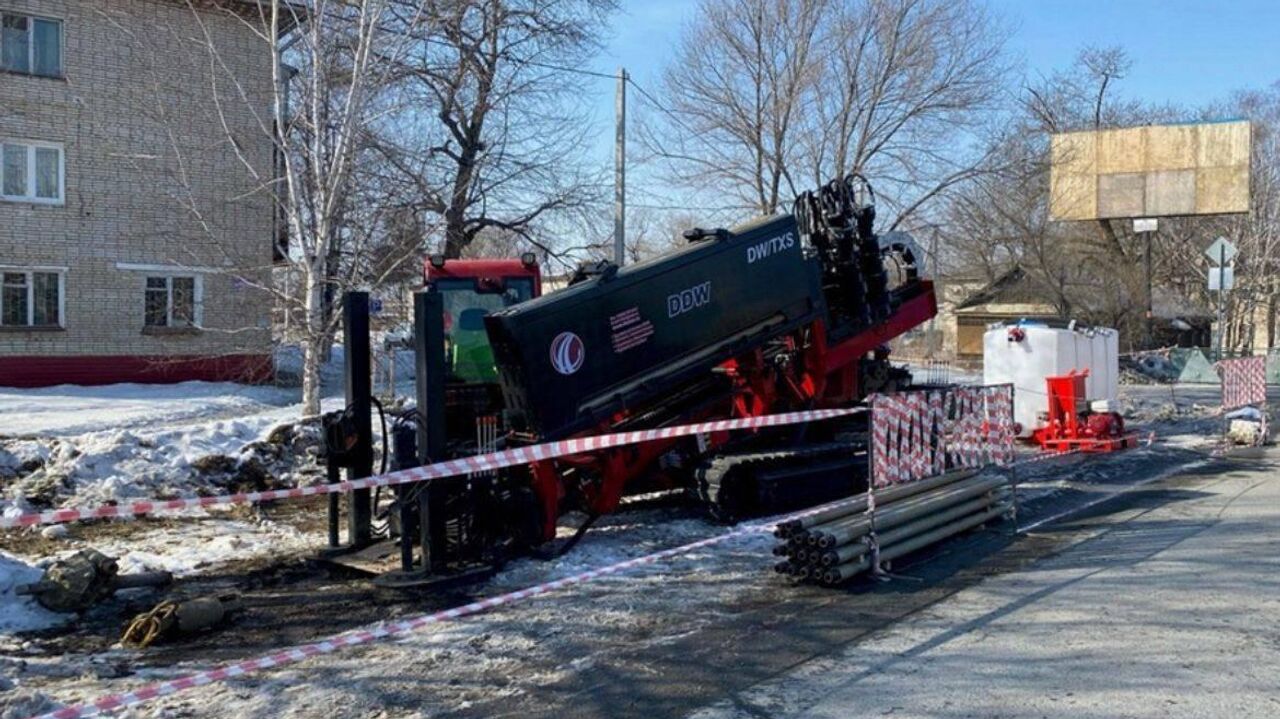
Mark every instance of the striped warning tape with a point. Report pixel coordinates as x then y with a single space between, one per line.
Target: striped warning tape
449 468
386 630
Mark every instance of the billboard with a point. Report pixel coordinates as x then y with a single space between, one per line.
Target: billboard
1150 171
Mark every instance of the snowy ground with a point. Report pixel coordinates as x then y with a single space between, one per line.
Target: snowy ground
462 667
68 410
76 446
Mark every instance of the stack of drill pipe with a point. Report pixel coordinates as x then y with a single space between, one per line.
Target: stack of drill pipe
837 544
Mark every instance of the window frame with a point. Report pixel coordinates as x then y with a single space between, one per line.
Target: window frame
197 300
31 45
31 197
31 271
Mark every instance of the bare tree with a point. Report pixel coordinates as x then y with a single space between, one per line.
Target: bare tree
766 95
491 120
736 92
908 87
1252 306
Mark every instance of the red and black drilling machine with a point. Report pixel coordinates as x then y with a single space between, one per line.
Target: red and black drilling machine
790 312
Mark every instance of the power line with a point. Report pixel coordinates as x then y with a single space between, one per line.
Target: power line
689 208
676 118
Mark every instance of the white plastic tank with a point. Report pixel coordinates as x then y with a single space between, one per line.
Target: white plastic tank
1024 354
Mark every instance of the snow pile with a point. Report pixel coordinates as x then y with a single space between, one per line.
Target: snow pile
24 456
262 451
21 613
72 409
254 452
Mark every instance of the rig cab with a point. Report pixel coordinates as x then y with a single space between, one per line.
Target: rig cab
470 290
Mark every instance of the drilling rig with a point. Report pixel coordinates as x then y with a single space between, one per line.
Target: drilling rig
789 312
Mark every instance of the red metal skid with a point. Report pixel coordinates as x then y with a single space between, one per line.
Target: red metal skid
1090 444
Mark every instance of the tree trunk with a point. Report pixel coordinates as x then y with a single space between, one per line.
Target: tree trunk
328 302
313 346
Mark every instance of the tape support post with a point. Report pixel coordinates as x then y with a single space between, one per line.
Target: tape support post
449 468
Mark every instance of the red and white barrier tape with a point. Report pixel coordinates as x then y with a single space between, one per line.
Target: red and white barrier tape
359 637
368 635
450 468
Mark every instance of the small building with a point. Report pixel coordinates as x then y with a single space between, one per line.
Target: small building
936 339
1012 296
1178 321
135 244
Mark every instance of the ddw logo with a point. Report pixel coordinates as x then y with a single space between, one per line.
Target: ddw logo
771 246
567 353
689 299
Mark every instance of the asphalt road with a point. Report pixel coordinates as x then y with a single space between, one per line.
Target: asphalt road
861 650
1169 607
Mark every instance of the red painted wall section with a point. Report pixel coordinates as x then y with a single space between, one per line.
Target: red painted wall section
108 369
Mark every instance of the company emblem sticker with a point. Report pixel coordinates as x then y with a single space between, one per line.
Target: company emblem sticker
567 353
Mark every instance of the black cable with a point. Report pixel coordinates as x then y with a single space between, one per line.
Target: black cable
570 544
383 416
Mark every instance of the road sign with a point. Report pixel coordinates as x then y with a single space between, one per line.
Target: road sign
1222 278
1221 251
1146 224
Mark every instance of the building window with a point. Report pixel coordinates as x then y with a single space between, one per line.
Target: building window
30 298
31 171
31 45
173 301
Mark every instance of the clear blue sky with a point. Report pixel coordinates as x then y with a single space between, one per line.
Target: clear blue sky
1187 52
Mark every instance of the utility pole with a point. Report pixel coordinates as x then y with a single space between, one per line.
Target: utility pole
934 275
1147 227
1148 316
620 173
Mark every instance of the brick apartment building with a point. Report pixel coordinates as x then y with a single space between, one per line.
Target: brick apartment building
133 239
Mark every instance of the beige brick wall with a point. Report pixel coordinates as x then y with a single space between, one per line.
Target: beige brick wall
152 174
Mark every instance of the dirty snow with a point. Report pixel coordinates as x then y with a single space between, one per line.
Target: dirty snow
123 464
192 548
182 550
79 446
467 662
21 613
471 662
